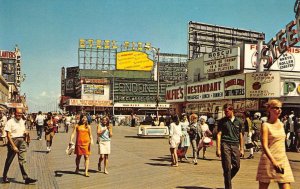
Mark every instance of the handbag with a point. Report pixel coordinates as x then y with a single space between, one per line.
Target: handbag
70 149
249 145
207 140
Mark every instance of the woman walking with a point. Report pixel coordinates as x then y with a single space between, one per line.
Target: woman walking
83 143
185 140
274 164
206 134
49 130
174 140
104 133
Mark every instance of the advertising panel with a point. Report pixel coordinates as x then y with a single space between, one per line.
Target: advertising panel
172 71
134 60
72 72
286 62
175 94
70 86
221 61
245 105
207 90
95 92
263 84
7 54
80 102
290 87
234 86
139 91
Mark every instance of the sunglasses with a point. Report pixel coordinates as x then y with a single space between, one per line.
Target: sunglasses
276 108
228 109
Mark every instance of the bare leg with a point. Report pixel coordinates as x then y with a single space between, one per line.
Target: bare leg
204 150
77 161
172 156
263 185
175 157
100 161
86 164
105 163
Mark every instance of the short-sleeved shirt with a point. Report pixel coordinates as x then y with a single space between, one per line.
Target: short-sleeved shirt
230 129
15 127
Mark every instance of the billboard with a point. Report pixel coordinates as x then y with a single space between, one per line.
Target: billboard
95 92
221 61
80 102
286 62
234 86
263 84
134 60
175 94
206 38
72 72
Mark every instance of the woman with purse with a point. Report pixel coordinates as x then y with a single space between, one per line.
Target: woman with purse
83 143
104 133
206 134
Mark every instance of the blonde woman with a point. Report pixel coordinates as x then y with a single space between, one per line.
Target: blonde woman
104 133
274 164
83 143
205 133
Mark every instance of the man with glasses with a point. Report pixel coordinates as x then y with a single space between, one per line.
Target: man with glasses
15 130
230 144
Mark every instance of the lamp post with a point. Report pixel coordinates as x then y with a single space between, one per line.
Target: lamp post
113 91
157 78
94 99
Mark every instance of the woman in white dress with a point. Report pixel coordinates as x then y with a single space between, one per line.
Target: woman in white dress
174 140
205 135
185 139
104 133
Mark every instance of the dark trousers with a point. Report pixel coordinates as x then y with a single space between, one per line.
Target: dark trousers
21 145
230 154
39 131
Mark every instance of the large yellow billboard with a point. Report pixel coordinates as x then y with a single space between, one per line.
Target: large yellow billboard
134 60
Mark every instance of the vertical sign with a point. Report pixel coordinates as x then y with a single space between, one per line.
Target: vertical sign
18 67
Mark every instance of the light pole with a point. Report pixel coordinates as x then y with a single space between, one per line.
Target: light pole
94 99
113 91
157 78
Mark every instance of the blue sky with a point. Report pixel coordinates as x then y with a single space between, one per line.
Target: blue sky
48 31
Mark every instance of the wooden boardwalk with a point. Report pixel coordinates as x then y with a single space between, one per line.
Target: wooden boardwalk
134 163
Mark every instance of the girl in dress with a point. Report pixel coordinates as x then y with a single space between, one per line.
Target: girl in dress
185 139
274 164
174 140
104 133
83 143
205 134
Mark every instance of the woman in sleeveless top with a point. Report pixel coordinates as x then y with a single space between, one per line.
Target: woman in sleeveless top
274 165
104 133
83 143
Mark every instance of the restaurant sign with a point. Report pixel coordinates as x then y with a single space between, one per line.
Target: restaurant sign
208 90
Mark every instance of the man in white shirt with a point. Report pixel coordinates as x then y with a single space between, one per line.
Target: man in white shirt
40 118
15 130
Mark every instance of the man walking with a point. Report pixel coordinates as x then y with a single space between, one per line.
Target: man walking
39 125
15 130
230 144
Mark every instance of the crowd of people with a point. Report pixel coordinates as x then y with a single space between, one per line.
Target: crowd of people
233 133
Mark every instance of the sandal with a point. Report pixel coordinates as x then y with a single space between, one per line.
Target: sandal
87 175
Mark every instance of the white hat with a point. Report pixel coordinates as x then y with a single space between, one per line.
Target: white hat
203 117
257 115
